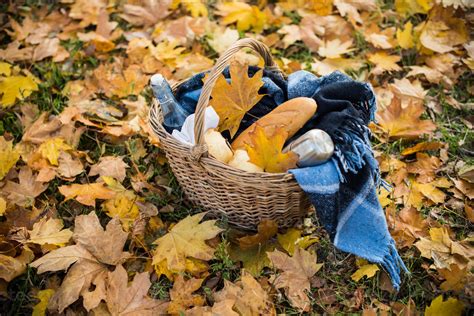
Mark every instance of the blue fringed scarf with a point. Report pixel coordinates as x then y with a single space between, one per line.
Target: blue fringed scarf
343 190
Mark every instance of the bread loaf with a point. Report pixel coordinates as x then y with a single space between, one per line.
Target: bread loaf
290 115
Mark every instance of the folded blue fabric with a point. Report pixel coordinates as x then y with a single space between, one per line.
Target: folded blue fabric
343 190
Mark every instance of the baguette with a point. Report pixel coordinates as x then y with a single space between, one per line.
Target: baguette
290 115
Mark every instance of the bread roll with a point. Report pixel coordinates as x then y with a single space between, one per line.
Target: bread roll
241 160
290 115
217 145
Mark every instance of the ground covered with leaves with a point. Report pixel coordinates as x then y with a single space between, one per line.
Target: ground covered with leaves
93 221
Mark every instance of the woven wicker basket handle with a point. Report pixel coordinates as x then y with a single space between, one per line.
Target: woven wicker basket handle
214 74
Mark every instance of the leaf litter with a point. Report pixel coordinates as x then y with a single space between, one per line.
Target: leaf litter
77 156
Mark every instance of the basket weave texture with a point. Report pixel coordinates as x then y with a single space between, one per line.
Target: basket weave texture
242 198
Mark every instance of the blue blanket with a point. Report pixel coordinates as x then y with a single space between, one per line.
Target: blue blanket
343 190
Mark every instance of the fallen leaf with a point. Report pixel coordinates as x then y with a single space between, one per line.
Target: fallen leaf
292 33
11 267
405 37
182 296
439 307
69 167
266 151
186 239
455 277
8 157
289 239
248 296
49 231
124 207
50 47
367 270
384 62
86 193
3 206
112 80
44 296
267 228
432 75
13 52
443 32
195 7
329 65
131 299
223 307
16 87
52 148
110 166
407 226
254 259
244 15
335 48
443 250
146 13
221 40
95 248
297 270
26 190
425 167
351 8
423 146
397 122
411 7
405 88
232 101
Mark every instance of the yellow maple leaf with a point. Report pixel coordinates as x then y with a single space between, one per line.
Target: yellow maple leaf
232 100
411 7
52 148
167 51
87 193
450 307
123 206
186 239
195 7
16 87
44 296
405 37
245 15
8 156
49 231
367 270
5 69
404 123
384 62
266 151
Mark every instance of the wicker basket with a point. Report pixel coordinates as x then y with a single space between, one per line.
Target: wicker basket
242 198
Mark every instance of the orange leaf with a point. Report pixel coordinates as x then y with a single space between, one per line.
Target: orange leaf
86 193
232 100
398 122
266 151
